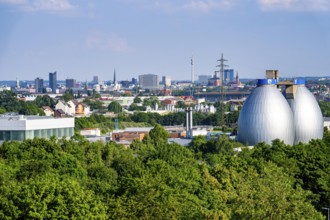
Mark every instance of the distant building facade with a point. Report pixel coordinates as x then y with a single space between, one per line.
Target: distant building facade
149 81
20 127
95 80
70 83
39 85
204 79
134 81
166 81
53 81
228 75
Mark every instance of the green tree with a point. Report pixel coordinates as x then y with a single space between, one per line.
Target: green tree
180 104
135 107
2 110
49 197
30 108
9 101
115 107
137 99
45 100
68 95
158 135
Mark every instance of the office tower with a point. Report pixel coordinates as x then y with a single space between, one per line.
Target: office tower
166 81
70 83
53 82
39 85
149 81
95 79
228 75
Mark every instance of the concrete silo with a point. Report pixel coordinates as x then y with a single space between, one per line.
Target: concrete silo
265 116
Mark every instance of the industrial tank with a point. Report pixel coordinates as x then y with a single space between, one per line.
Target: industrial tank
265 116
307 115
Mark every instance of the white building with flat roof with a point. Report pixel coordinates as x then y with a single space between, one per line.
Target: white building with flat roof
20 127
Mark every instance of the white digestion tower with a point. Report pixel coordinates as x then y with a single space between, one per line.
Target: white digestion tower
307 115
267 114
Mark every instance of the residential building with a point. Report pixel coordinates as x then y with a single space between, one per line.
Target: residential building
59 113
69 108
48 111
19 127
149 81
82 109
53 81
169 104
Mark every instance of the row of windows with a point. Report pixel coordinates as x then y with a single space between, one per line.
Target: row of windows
30 134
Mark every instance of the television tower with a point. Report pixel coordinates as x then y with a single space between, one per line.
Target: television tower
114 76
222 66
192 76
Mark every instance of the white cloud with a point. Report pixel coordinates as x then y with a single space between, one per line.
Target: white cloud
40 5
183 5
207 5
51 5
111 41
295 5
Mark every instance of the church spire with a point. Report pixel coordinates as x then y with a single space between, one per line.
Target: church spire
237 78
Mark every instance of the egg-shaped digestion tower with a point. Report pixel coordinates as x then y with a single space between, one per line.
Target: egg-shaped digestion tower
265 116
307 115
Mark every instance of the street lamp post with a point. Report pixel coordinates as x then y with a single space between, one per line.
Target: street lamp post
327 208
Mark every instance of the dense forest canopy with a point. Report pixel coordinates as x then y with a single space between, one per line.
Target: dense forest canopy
152 179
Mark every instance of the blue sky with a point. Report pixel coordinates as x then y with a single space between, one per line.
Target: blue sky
80 39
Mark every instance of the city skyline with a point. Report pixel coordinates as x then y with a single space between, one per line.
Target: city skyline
81 40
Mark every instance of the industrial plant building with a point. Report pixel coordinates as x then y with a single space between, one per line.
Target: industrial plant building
292 115
15 127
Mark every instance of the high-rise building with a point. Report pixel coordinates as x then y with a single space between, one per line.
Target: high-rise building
149 81
95 79
228 75
53 82
70 83
166 81
39 85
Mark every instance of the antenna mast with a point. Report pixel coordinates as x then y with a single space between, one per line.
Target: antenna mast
192 76
222 66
